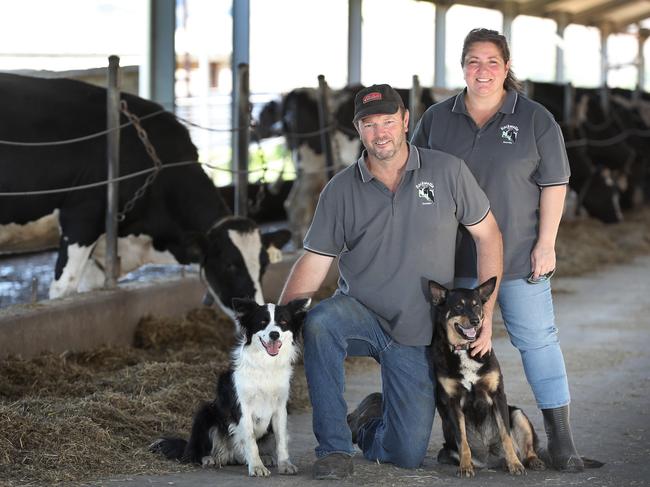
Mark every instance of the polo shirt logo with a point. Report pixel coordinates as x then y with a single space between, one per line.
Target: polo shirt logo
509 134
425 192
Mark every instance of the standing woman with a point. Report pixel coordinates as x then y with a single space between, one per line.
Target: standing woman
515 149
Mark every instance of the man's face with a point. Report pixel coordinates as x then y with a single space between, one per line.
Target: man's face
383 135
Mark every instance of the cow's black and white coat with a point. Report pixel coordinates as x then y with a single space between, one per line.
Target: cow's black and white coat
180 219
246 423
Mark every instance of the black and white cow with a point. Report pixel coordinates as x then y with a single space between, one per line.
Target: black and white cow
598 187
297 114
180 219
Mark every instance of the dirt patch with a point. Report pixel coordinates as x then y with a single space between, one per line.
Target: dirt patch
82 416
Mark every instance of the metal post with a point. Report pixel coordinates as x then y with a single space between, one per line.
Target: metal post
604 67
640 84
509 11
354 41
440 68
561 21
241 139
569 102
324 123
414 102
113 159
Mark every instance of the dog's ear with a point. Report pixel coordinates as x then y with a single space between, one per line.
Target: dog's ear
243 306
438 293
486 289
298 309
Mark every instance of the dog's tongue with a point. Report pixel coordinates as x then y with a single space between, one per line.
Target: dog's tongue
272 347
469 332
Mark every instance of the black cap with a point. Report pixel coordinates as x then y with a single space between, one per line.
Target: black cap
376 99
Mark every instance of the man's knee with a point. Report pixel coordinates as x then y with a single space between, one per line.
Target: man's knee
408 457
316 325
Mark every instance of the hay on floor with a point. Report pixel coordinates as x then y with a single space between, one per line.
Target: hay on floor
83 416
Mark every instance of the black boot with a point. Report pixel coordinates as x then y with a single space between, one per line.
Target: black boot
562 454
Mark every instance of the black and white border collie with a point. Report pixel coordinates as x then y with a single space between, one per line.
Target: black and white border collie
246 423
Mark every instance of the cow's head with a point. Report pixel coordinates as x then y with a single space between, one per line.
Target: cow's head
234 256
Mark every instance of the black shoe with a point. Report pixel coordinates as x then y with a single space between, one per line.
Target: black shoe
369 408
335 466
561 453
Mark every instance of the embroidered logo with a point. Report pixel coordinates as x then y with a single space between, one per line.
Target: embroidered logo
509 134
373 96
425 192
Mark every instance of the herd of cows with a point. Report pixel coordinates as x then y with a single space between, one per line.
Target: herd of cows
182 218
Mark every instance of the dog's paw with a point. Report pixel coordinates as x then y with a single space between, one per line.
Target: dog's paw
287 468
258 471
465 471
535 463
209 462
516 468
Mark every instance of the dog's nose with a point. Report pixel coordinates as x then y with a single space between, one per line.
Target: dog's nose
274 335
474 321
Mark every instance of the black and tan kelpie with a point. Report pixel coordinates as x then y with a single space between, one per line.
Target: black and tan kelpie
479 427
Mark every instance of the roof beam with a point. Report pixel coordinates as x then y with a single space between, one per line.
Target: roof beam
536 8
622 24
591 15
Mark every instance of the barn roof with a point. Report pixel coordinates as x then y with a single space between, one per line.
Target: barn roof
612 15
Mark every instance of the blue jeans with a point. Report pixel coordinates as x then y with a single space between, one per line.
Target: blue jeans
527 311
342 326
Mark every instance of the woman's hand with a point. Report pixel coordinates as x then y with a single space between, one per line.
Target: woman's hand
542 259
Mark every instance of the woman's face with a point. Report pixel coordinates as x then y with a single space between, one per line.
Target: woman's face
484 69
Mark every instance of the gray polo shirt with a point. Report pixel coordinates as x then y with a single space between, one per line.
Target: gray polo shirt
390 244
516 153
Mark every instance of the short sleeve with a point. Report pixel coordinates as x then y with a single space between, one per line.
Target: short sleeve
325 235
553 167
472 206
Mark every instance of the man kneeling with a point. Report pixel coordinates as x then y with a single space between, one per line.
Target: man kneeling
391 219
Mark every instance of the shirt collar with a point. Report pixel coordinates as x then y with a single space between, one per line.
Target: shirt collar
508 106
412 163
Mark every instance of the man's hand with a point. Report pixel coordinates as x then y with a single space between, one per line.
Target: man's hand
483 343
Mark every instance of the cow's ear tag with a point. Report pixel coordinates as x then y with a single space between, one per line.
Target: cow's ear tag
275 254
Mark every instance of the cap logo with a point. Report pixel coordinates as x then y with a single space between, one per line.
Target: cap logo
374 96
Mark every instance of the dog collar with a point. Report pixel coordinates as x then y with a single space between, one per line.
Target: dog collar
457 348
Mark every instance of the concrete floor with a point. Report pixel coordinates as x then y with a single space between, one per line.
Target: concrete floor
604 322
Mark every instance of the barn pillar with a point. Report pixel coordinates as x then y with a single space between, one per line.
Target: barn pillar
355 21
440 68
605 30
240 112
509 11
158 71
561 20
640 84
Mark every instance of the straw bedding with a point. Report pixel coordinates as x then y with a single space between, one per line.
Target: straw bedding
82 416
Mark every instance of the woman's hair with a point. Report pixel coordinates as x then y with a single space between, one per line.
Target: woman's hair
486 35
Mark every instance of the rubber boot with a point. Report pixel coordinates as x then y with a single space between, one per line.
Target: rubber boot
562 452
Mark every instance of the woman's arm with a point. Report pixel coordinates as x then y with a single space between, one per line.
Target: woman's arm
551 204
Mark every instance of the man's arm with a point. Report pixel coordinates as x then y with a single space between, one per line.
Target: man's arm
551 204
306 276
489 251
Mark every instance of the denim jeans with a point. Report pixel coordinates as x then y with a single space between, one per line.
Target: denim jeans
527 311
342 326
